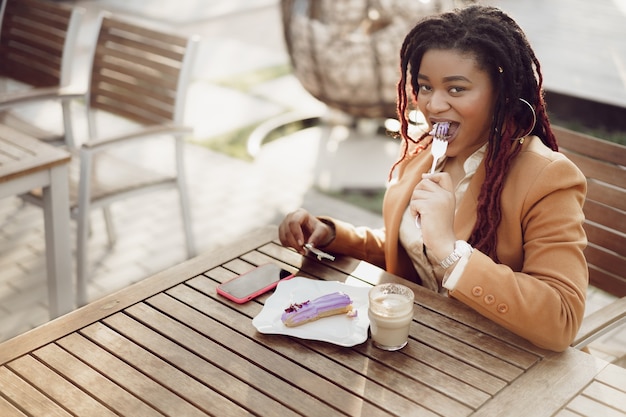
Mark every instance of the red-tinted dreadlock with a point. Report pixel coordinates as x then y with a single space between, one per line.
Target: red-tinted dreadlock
502 50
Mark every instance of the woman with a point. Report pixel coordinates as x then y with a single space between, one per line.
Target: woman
500 221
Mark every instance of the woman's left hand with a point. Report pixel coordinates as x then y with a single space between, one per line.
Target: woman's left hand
433 198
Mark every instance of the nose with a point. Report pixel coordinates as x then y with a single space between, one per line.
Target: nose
437 102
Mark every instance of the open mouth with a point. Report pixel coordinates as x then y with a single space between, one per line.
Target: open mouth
451 128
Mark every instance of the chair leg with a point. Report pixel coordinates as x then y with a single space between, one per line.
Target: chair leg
68 130
108 221
181 183
186 215
82 225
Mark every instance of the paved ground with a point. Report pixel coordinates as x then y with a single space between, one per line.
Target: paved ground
230 197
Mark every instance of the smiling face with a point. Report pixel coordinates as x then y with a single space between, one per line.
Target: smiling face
453 88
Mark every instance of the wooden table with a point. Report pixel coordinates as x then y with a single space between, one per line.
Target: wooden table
602 397
26 164
170 345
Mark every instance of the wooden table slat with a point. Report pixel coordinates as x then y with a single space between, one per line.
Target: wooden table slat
604 396
258 258
209 374
492 346
60 390
607 395
225 358
8 410
465 352
408 377
591 407
26 397
22 154
193 397
94 383
552 382
567 413
127 377
613 376
11 152
447 364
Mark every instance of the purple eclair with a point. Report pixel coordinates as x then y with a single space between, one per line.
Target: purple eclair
324 306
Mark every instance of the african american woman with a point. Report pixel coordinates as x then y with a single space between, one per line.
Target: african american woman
500 220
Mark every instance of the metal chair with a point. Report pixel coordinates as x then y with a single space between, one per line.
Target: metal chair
37 44
139 78
600 322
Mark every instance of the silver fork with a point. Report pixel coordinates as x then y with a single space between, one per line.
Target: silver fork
319 253
438 149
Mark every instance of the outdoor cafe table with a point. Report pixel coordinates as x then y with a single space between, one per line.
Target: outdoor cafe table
170 345
26 164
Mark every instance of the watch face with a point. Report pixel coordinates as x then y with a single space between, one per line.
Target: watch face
464 248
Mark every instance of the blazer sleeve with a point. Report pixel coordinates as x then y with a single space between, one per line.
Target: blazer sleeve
540 292
357 241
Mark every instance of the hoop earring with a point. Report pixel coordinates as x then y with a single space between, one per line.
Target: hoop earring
521 139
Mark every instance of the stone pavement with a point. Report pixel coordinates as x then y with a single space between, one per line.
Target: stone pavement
229 196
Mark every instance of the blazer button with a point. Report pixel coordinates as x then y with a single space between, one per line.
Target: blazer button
477 291
489 299
503 308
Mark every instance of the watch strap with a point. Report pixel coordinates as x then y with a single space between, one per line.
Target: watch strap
461 248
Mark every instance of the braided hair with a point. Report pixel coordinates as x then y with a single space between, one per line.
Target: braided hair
501 49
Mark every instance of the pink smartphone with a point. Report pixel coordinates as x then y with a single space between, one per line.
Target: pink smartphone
247 286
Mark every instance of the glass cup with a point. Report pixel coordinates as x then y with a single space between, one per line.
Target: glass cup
390 312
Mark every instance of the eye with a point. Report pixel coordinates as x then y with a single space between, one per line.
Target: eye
423 88
456 90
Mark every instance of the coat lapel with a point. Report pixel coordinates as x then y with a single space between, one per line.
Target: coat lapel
396 201
399 194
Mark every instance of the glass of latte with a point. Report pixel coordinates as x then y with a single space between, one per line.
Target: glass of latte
390 312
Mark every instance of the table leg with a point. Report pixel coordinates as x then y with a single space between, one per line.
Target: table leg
58 254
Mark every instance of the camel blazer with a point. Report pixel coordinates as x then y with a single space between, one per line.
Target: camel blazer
538 290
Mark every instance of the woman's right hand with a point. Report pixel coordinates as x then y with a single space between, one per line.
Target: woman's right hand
300 227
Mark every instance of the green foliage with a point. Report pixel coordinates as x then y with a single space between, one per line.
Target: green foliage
245 82
233 143
371 200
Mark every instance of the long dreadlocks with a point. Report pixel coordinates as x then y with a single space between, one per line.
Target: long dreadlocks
501 49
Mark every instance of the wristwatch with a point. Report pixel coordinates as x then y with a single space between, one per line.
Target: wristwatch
461 248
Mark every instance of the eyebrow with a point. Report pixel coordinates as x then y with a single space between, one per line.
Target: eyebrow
446 79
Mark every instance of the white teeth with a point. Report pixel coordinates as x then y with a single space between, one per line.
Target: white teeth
440 130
